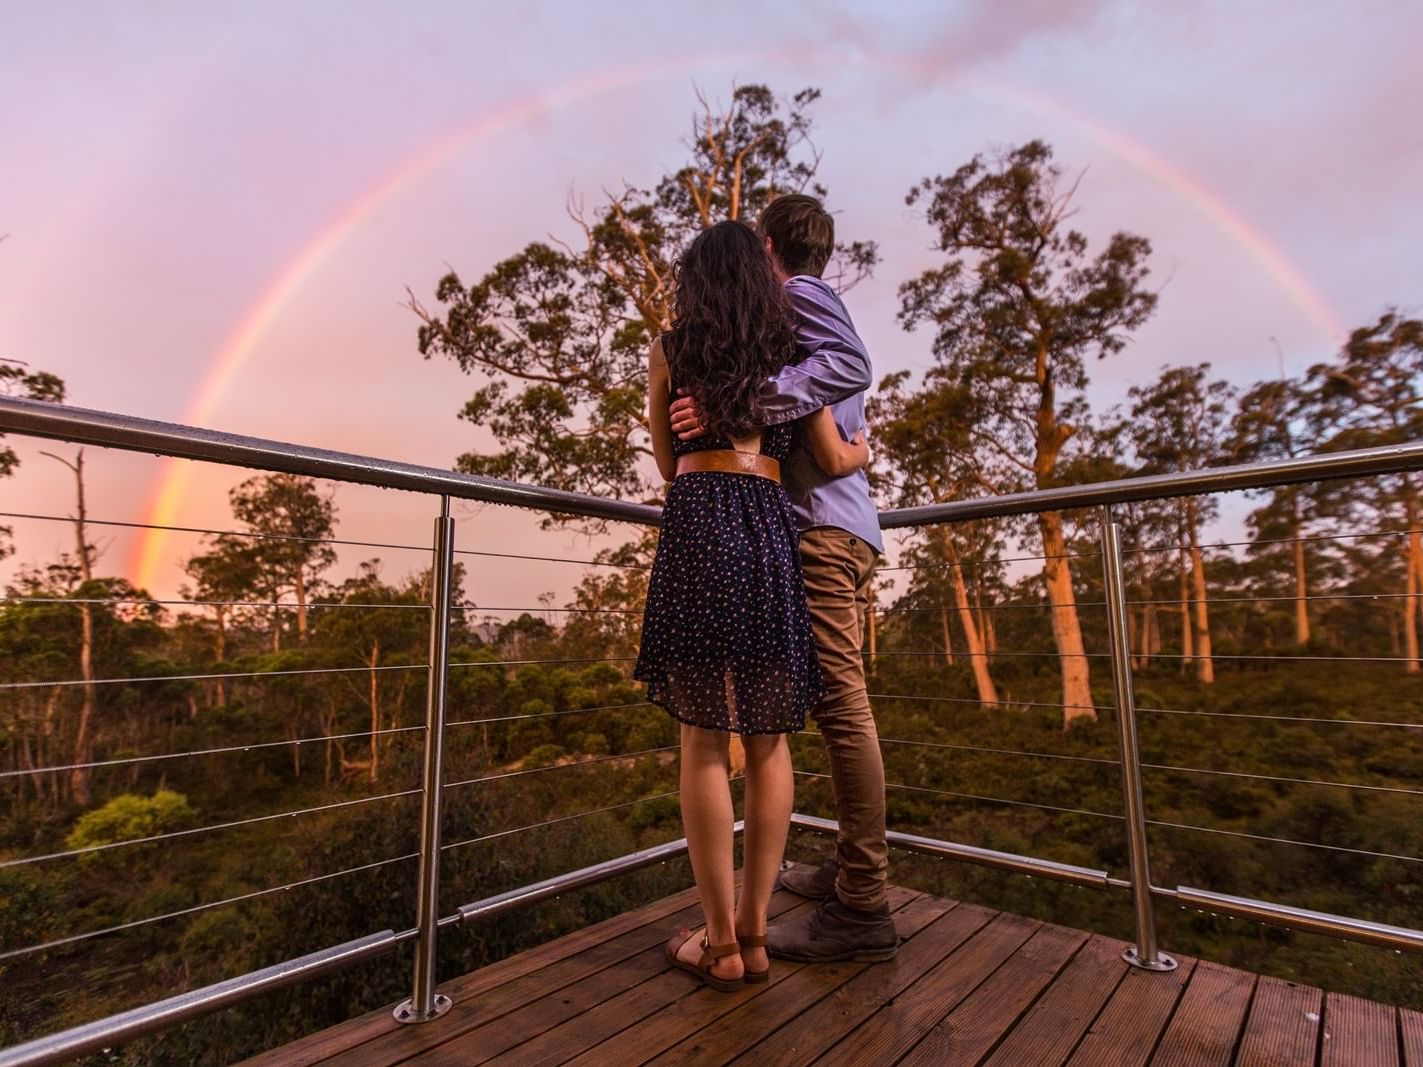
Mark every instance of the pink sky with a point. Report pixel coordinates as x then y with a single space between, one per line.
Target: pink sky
189 187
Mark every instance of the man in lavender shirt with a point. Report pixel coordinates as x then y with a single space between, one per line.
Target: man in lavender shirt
840 543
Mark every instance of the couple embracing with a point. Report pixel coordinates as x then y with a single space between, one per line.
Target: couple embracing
759 590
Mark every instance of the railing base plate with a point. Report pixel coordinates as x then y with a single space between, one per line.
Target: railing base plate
405 1011
1162 962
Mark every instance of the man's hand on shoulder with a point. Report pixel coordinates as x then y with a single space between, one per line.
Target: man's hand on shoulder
687 421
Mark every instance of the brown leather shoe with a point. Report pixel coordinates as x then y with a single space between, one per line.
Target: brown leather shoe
833 933
817 884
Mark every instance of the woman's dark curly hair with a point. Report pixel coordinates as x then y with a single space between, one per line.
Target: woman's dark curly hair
731 329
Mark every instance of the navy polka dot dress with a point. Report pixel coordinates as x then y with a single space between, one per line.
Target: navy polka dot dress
726 639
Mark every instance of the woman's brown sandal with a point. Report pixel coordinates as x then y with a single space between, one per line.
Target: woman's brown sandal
702 968
754 941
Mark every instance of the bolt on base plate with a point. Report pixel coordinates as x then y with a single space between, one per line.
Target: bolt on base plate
1162 962
405 1010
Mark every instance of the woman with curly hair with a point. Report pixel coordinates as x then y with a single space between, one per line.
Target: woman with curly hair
726 640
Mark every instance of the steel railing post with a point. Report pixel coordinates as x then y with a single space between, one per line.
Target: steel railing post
424 1003
1145 954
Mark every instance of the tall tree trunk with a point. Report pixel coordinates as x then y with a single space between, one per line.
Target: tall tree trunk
1410 619
1205 666
1414 565
48 743
948 637
1301 573
985 619
1187 631
1413 605
301 605
81 776
1066 630
1134 634
375 707
977 657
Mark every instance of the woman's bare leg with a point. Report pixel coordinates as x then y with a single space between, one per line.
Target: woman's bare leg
707 818
770 795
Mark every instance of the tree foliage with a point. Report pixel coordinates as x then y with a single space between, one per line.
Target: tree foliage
1017 308
558 332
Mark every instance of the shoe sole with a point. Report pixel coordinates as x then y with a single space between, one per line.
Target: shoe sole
863 955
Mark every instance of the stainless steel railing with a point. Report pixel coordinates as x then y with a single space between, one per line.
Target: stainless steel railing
139 435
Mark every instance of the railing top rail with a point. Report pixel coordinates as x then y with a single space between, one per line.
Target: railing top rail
84 426
1321 466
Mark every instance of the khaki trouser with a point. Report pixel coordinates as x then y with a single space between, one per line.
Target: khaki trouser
838 567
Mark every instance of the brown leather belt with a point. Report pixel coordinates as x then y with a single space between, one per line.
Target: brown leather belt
729 461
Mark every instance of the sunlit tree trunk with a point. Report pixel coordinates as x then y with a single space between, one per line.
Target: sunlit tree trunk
300 585
982 679
1066 630
1410 618
1413 564
1301 574
1205 667
375 708
985 619
973 639
1187 630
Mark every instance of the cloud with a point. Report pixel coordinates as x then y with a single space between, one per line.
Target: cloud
977 33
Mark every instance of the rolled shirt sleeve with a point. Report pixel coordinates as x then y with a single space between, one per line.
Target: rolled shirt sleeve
834 363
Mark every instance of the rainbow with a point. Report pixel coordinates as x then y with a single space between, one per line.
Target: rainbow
1285 274
172 483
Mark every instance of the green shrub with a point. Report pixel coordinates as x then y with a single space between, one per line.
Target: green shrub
128 817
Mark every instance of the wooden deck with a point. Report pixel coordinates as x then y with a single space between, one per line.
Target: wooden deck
969 986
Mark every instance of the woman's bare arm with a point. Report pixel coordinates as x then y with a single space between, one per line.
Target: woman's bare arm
832 454
658 398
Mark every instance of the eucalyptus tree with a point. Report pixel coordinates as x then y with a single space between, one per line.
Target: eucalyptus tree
558 332
1017 307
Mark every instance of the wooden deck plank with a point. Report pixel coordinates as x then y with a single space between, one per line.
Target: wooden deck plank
967 1033
1411 1025
968 986
489 1004
784 1010
529 1023
335 1040
1052 1027
689 1014
895 1027
1282 1029
1128 1027
1205 1030
1358 1033
559 1026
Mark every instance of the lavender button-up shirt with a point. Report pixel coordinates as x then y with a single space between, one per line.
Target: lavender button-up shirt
834 371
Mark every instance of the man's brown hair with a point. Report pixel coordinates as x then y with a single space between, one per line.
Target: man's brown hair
802 233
